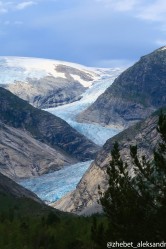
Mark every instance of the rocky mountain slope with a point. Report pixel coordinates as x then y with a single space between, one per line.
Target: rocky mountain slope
45 83
24 128
135 94
11 188
85 197
23 156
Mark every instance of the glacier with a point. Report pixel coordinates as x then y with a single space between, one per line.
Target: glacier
12 73
53 186
95 132
24 69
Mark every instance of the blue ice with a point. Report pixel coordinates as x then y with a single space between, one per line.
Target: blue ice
51 187
95 132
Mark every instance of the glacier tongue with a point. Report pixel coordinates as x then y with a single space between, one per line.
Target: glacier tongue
95 132
53 186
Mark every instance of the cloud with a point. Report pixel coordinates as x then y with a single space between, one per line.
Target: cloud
11 23
160 42
8 6
18 22
7 22
3 8
155 11
91 32
25 5
119 5
114 63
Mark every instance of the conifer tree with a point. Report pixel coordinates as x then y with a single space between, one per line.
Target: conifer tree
135 203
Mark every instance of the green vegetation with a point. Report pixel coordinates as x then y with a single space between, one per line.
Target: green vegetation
135 202
25 224
135 207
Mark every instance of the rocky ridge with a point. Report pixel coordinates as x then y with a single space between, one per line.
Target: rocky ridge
136 93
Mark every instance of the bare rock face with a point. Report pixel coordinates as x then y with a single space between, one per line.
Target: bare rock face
23 156
86 193
33 141
144 134
48 91
137 92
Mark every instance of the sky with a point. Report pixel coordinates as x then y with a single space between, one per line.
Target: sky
101 33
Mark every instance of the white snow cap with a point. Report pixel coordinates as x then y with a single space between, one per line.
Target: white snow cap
20 68
162 48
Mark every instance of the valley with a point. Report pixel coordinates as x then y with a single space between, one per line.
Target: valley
51 187
60 129
95 132
143 133
82 124
62 176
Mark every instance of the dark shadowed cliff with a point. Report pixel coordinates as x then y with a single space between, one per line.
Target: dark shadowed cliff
49 138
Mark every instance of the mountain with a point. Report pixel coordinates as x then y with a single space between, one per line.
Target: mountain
23 156
28 133
10 188
85 197
136 93
95 132
45 83
26 222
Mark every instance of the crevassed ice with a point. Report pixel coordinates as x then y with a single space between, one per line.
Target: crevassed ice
53 186
95 132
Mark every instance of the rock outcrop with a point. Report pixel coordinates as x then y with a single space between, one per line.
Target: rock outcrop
28 135
23 156
85 197
48 91
135 94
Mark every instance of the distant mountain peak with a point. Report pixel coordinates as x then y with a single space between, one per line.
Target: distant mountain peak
162 48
